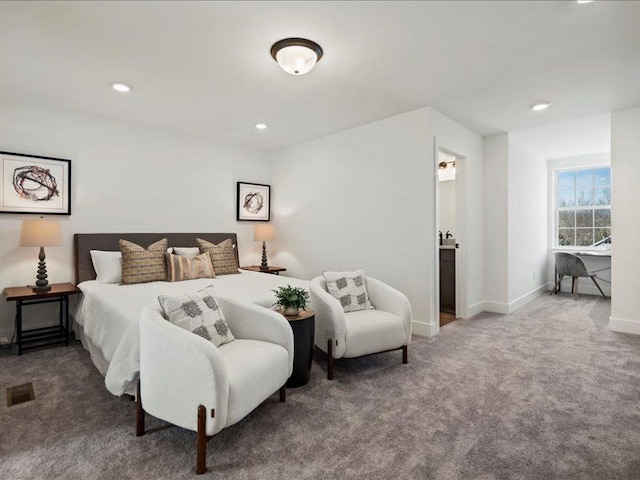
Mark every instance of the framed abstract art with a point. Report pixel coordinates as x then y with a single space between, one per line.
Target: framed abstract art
34 184
254 202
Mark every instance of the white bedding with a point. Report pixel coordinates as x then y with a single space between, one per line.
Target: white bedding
109 314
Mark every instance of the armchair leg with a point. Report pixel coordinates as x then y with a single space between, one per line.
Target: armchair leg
201 446
329 359
139 413
405 354
283 393
598 285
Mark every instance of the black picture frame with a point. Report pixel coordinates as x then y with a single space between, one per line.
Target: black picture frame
33 184
253 202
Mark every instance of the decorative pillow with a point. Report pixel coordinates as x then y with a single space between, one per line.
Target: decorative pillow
183 268
223 256
140 265
349 288
199 313
108 266
188 252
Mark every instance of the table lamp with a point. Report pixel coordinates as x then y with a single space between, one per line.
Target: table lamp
264 232
40 233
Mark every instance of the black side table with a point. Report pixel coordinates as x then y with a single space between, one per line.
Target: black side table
303 326
40 337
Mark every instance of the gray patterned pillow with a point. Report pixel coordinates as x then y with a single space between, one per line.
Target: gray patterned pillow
141 265
199 313
223 256
349 288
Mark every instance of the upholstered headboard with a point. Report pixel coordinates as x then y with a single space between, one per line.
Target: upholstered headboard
84 242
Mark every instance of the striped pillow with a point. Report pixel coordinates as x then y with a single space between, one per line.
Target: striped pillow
140 265
223 256
182 268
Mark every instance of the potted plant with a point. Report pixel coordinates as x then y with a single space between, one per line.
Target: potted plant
291 299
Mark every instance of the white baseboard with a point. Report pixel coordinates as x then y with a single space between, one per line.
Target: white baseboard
475 309
421 328
495 307
624 326
523 300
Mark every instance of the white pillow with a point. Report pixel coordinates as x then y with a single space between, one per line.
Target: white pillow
186 252
349 288
108 266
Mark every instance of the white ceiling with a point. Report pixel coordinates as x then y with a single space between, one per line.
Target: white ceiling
205 68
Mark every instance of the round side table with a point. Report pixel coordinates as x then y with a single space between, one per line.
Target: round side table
303 326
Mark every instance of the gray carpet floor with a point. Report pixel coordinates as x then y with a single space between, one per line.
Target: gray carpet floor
545 393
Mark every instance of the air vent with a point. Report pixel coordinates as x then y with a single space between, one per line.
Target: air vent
20 394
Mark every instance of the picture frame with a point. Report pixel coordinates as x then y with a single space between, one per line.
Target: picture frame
32 184
253 202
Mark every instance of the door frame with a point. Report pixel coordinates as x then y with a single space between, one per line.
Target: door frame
461 234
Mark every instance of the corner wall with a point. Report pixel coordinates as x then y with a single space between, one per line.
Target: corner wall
625 260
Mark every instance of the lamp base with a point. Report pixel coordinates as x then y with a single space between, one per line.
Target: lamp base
36 288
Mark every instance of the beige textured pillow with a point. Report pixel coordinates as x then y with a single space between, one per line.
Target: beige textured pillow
182 268
223 256
140 265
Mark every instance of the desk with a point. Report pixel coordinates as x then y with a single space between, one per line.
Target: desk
596 261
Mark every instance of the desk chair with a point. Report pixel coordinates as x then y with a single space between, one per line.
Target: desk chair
572 266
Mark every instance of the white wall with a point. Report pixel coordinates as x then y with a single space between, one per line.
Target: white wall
527 225
125 178
496 164
625 260
360 198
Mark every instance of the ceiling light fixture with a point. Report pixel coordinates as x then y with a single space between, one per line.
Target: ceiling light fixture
539 106
296 56
583 1
261 126
120 87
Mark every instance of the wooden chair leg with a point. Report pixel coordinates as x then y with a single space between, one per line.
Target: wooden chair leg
573 284
576 288
201 446
283 393
405 354
329 359
598 285
139 413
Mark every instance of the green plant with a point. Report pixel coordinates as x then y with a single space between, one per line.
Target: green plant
291 297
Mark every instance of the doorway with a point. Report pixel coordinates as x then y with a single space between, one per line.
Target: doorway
450 218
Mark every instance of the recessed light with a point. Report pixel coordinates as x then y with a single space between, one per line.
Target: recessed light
121 87
539 106
261 126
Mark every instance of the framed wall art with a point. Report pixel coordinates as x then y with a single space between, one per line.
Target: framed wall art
254 202
33 184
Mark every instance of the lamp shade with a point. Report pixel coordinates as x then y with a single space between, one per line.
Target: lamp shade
264 233
40 233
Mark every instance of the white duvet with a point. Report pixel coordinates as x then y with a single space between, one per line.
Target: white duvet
109 313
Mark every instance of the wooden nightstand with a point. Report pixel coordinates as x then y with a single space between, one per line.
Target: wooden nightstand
270 269
40 337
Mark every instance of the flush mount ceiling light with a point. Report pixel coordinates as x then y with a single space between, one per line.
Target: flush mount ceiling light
584 1
539 106
296 56
121 87
261 126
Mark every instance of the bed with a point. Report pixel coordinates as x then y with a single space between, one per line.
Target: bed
107 314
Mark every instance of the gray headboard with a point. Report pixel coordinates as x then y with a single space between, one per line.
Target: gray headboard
83 242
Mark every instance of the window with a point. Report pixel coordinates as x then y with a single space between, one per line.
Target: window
583 207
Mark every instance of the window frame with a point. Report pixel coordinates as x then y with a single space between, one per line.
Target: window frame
556 209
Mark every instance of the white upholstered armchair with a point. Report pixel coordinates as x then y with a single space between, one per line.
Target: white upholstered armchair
188 381
387 327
